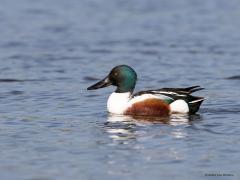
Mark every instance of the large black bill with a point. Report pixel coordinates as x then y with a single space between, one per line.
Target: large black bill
101 84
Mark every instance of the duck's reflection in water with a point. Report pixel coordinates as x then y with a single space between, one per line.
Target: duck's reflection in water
122 127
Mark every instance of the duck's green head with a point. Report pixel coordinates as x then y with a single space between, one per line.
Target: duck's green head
122 76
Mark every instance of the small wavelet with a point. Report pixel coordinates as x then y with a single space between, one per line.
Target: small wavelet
12 80
100 51
14 44
237 77
90 78
15 92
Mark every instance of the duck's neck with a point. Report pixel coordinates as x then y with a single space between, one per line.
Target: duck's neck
118 102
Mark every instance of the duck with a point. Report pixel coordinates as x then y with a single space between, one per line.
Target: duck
157 102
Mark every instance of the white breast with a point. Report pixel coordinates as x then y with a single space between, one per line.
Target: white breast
118 102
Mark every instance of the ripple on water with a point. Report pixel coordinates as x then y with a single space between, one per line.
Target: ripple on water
236 77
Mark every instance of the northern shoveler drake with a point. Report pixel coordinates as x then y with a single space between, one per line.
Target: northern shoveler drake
159 102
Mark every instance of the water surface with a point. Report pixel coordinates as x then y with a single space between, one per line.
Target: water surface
51 127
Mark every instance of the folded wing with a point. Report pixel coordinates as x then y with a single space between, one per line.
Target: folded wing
172 94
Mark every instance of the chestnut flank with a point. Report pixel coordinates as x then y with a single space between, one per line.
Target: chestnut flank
149 107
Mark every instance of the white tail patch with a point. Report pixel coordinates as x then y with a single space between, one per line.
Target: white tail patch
179 106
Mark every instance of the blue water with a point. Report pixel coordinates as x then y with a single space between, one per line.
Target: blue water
51 127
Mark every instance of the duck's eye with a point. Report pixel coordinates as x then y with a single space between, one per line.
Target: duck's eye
115 74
